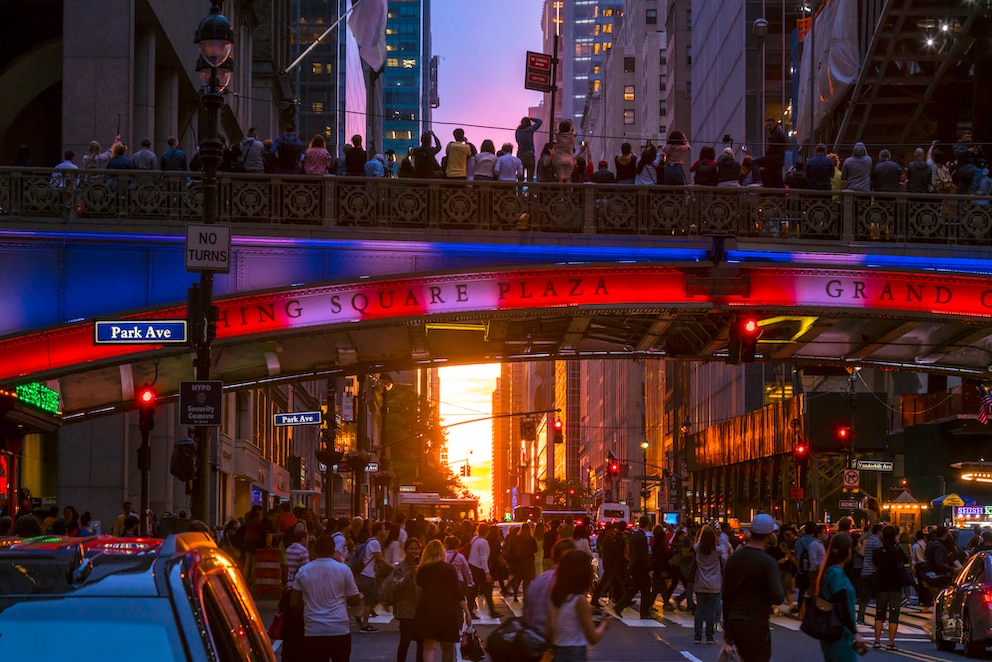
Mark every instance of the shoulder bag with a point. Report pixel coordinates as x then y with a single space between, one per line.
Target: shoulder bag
821 619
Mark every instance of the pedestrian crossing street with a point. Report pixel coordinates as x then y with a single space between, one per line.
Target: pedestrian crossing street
913 626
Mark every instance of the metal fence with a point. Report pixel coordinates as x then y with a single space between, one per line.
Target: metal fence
499 206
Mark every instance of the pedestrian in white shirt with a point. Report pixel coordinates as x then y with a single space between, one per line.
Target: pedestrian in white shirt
325 588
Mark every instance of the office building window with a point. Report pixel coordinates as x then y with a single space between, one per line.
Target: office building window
663 57
651 17
688 89
663 108
317 67
663 82
317 106
628 116
688 54
628 92
628 65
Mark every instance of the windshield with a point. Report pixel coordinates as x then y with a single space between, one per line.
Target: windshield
119 628
609 513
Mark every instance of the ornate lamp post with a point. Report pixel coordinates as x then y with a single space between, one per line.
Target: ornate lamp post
644 477
215 37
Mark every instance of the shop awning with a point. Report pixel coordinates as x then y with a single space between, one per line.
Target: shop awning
953 499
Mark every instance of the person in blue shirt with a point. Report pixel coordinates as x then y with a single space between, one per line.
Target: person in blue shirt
832 584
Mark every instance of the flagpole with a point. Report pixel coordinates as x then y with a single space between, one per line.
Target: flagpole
319 39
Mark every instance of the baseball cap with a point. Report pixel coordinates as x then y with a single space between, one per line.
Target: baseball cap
604 162
763 524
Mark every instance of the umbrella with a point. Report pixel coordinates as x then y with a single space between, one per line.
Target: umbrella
953 499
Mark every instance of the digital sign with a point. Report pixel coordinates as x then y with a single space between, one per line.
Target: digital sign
40 396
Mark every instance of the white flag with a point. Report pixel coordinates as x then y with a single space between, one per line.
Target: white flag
368 24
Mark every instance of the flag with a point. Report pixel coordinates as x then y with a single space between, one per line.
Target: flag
368 24
985 409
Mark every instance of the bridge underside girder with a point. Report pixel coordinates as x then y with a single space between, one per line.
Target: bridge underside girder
559 334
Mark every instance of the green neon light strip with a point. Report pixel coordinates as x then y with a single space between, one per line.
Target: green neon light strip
40 396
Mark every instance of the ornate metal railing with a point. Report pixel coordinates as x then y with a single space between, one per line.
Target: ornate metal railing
498 206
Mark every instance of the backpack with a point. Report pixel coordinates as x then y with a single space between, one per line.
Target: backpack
804 559
287 156
355 560
943 182
706 174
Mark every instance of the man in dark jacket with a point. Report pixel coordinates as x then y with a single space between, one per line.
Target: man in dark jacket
774 159
886 176
820 170
525 144
603 174
640 571
613 556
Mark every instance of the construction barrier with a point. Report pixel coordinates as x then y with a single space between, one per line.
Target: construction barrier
268 574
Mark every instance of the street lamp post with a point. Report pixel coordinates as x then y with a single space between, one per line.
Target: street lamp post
644 477
215 38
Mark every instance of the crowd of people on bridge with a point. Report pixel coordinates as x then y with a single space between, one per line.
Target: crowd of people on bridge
960 168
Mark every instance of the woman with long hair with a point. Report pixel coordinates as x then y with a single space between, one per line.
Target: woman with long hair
580 534
564 158
570 621
646 172
709 582
442 607
485 161
406 596
832 584
317 160
675 151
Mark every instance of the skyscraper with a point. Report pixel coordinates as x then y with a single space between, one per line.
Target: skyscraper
330 85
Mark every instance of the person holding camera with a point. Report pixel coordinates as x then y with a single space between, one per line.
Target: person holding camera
406 596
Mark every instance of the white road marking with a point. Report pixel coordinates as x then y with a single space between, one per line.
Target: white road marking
689 656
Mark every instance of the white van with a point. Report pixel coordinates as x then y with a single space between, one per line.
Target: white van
612 512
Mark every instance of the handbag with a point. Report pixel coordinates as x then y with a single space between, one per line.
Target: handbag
471 646
277 626
728 654
514 641
821 619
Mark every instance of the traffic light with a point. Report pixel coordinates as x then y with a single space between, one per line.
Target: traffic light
146 408
743 342
614 468
559 433
461 470
801 452
468 470
843 436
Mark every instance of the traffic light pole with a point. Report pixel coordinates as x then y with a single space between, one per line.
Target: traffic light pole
144 466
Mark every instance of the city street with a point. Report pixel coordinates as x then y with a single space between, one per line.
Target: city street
668 638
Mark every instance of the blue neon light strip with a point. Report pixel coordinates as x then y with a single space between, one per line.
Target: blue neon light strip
957 265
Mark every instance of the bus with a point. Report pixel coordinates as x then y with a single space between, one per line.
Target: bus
526 513
433 506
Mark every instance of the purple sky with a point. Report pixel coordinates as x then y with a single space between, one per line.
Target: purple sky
481 45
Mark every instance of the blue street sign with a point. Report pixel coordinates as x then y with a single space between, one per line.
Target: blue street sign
140 332
298 418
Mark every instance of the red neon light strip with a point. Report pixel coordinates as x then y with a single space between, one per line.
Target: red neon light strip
257 314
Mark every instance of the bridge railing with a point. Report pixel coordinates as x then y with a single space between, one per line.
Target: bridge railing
497 206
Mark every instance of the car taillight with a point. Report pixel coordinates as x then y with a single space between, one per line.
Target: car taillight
987 597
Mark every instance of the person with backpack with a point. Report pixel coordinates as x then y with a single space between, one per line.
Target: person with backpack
801 552
832 584
704 170
288 150
366 563
891 577
250 157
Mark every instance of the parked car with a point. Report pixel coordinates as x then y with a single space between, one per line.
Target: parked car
180 598
962 612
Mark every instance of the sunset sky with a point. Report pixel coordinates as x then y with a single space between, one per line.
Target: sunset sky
482 46
466 394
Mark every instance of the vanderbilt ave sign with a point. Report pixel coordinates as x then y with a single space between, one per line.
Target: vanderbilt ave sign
802 290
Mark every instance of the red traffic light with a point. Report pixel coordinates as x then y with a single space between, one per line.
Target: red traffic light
801 449
614 468
571 491
146 396
557 425
750 325
843 433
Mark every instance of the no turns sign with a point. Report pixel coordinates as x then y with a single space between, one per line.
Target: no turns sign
852 479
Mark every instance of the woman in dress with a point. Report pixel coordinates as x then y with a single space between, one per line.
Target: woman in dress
406 596
570 623
832 584
317 160
442 607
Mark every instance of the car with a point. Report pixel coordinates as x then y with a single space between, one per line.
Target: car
961 611
178 598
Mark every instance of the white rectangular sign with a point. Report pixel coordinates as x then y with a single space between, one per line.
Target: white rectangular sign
208 248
